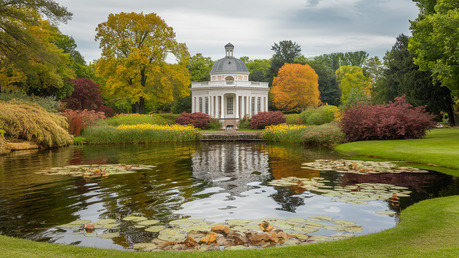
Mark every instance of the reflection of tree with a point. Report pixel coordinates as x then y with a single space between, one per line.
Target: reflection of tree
286 199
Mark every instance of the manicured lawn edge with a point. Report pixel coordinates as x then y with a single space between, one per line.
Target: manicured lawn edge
427 229
440 148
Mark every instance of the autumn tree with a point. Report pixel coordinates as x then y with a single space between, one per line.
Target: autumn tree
29 60
296 88
435 41
355 86
134 51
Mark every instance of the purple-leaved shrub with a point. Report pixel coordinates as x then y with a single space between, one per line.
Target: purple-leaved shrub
263 119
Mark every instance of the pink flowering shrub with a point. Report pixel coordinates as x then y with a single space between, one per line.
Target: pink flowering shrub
80 119
197 119
263 119
396 120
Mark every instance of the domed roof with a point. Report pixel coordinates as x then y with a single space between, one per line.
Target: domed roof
229 63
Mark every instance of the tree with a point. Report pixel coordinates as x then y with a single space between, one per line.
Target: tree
296 88
134 51
355 87
258 68
284 52
403 77
86 95
374 68
199 68
328 87
25 47
435 41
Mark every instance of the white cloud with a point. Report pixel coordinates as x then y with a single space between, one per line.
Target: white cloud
318 26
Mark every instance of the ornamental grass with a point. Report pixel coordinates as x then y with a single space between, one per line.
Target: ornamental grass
134 119
33 123
140 133
326 135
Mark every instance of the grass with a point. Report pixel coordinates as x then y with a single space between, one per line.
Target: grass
140 133
427 229
134 119
440 147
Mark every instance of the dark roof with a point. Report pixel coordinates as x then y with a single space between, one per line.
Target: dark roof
229 64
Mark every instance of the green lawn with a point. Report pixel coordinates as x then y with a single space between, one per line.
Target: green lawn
440 147
427 229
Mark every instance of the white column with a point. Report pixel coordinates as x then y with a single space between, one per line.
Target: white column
237 107
249 102
210 106
256 105
266 103
222 106
193 104
243 106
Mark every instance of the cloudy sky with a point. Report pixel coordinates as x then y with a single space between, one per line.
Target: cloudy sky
318 26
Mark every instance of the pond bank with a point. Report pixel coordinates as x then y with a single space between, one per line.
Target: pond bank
438 150
428 228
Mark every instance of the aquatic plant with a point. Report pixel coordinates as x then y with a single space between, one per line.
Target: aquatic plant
34 123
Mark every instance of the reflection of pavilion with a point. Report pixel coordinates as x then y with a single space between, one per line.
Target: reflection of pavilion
230 166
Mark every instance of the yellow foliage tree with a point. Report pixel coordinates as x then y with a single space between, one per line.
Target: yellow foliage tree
134 51
296 87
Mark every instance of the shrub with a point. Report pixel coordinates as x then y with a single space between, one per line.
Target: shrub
396 120
78 120
325 135
4 148
263 119
214 124
134 119
86 95
48 103
293 119
198 119
244 123
108 111
34 123
320 115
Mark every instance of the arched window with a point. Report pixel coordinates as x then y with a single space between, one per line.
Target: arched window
229 80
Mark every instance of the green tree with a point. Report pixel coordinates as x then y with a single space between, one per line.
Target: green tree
199 68
328 87
435 41
284 52
374 68
403 77
134 51
355 86
25 47
258 68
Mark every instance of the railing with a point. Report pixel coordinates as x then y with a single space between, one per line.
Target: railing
229 84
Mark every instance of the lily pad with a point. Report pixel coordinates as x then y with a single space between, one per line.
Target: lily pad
343 222
238 222
148 222
300 236
109 235
353 228
198 227
105 221
154 228
390 213
144 246
318 238
79 222
341 236
305 230
334 227
134 218
327 218
171 235
295 220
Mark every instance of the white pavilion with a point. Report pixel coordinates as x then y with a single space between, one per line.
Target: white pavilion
229 96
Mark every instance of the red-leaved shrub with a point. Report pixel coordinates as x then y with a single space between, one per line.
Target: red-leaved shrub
197 119
396 120
263 119
79 120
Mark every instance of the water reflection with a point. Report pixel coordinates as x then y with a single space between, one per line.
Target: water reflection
215 181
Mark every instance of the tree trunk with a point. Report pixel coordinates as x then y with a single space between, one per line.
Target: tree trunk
140 106
451 117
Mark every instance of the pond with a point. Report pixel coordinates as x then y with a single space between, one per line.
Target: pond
236 184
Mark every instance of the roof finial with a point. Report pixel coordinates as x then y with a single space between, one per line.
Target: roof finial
229 49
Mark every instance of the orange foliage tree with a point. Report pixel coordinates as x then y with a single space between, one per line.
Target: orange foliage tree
295 88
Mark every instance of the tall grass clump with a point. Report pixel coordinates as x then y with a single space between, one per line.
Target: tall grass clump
20 97
140 133
34 123
135 119
81 119
324 135
3 146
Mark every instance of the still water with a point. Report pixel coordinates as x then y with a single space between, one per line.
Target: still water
211 181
